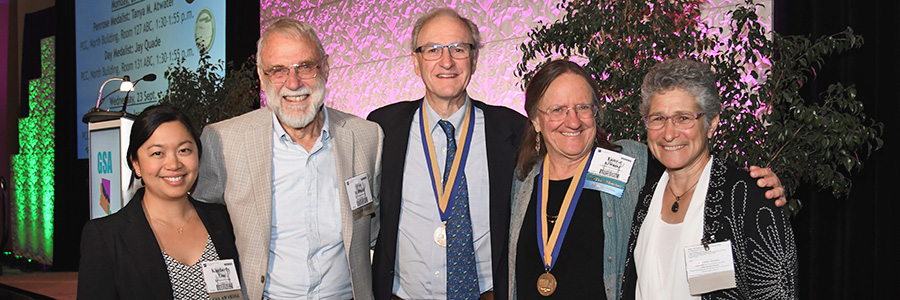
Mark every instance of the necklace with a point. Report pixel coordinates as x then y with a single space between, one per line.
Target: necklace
180 230
678 197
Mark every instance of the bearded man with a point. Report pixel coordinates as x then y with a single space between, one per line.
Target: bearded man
287 174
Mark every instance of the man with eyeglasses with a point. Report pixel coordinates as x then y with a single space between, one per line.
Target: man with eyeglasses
446 184
287 174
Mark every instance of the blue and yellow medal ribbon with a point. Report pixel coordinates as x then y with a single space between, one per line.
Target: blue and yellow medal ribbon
550 243
446 194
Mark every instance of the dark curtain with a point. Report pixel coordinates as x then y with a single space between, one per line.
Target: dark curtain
846 245
71 208
242 20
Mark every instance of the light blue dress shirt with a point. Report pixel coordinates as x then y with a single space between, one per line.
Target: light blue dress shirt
306 250
420 271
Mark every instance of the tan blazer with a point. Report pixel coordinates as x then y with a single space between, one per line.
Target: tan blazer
236 169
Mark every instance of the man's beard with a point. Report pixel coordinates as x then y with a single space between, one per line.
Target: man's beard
295 117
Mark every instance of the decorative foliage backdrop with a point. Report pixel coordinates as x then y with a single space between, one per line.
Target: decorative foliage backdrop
34 166
368 43
765 122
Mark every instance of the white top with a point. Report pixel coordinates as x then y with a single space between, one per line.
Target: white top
659 252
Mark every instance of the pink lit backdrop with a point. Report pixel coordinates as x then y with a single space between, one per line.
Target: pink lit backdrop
368 44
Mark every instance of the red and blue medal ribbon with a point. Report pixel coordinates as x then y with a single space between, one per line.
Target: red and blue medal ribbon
445 194
550 243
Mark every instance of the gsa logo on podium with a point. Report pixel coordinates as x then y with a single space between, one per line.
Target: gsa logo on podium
104 166
104 162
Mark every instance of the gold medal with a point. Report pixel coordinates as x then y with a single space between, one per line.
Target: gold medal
440 236
546 284
550 242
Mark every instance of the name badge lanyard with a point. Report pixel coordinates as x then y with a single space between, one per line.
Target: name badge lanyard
550 243
446 198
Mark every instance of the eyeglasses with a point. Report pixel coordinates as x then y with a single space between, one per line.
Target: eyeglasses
681 121
582 111
435 51
279 74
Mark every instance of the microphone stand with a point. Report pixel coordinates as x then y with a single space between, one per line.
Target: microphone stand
148 77
97 114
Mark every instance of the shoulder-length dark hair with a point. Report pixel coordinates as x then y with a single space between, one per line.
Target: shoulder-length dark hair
147 122
535 90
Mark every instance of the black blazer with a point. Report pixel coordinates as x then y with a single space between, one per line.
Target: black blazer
120 258
503 133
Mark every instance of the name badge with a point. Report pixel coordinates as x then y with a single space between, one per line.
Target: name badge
360 195
609 172
221 278
709 269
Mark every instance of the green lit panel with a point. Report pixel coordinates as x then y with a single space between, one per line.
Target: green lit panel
33 167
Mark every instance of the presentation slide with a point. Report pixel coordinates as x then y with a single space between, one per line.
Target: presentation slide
135 38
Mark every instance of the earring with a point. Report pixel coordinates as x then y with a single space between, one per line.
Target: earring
537 142
138 174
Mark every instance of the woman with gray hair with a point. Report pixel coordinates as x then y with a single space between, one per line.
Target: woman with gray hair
702 230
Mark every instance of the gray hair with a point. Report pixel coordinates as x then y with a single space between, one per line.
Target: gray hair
289 27
447 12
697 78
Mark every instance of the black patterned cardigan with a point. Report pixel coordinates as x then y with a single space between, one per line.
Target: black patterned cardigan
765 256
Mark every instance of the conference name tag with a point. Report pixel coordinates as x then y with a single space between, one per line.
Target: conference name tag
709 267
221 278
609 172
360 195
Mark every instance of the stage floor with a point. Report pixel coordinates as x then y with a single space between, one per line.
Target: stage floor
55 285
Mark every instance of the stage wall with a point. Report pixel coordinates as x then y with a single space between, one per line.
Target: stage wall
368 43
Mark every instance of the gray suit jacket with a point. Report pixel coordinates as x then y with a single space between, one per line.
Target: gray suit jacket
236 169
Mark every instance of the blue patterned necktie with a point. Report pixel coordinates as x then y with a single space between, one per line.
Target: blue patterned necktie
462 278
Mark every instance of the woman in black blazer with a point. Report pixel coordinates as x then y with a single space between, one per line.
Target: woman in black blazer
153 248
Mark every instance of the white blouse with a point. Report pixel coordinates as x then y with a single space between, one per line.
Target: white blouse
659 252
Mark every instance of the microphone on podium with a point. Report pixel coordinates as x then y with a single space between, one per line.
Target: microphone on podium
97 114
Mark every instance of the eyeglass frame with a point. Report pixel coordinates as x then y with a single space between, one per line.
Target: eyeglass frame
421 50
693 117
594 111
293 68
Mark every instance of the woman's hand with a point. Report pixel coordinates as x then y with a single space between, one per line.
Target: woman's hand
767 178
